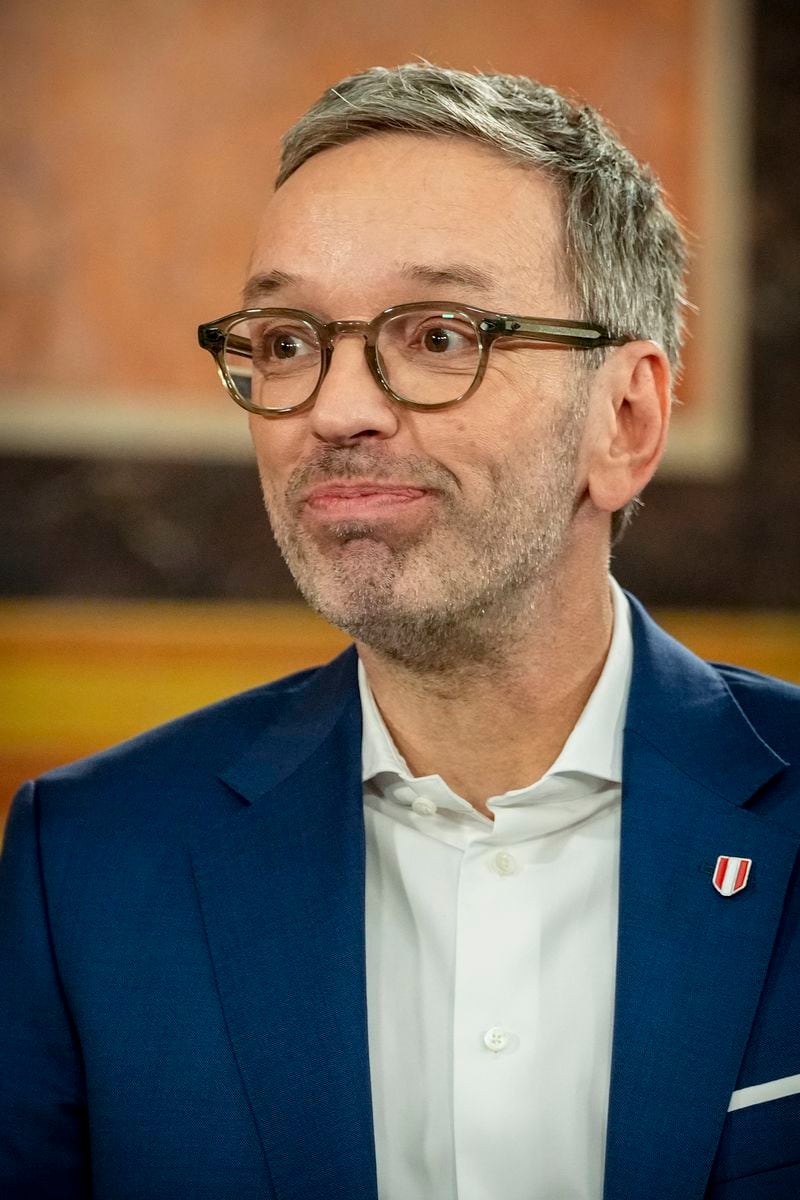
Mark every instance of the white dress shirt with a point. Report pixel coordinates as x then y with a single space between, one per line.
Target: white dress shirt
491 951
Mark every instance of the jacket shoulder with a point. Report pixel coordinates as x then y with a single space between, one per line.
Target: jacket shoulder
173 770
771 705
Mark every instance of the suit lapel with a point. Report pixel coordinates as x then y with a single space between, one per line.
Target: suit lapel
690 963
281 886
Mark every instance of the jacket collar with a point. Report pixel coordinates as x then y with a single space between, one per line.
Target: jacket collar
683 708
302 714
679 705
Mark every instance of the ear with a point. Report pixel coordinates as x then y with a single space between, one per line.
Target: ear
630 406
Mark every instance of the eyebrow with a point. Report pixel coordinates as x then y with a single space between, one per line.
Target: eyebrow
264 283
461 274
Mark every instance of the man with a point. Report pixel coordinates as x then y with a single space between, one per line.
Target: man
426 923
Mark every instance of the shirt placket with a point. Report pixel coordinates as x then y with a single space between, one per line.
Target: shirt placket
495 1016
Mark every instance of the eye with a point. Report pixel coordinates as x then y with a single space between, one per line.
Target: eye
283 344
283 347
438 340
449 340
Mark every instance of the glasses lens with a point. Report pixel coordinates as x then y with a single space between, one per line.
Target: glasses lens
429 356
274 361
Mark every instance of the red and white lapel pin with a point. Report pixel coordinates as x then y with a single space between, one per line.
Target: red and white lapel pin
731 874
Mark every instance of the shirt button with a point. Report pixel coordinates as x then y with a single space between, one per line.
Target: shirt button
504 863
423 806
496 1039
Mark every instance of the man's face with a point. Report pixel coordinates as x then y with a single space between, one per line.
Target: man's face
423 534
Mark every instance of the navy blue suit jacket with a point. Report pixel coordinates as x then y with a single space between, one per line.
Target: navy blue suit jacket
182 977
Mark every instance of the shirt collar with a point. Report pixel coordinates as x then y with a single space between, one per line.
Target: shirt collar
594 747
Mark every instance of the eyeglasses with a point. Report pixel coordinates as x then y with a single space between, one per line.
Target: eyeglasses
424 355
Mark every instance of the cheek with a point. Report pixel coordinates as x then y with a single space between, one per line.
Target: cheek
506 423
530 378
276 445
464 442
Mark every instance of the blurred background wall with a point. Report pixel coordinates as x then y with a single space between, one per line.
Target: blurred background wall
139 140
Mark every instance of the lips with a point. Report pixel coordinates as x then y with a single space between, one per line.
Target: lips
359 498
346 491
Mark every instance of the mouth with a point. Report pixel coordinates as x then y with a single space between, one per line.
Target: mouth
366 500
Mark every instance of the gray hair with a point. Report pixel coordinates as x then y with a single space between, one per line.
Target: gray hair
625 253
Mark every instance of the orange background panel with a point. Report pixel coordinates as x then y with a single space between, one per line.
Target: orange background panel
141 140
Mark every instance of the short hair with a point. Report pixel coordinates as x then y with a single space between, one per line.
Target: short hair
625 253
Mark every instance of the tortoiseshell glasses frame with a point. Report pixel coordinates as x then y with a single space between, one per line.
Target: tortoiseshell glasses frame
219 337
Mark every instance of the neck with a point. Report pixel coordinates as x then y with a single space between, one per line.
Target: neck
491 727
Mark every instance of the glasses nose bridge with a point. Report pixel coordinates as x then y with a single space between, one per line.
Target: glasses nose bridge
363 329
336 329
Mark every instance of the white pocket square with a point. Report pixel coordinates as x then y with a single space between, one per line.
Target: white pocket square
776 1089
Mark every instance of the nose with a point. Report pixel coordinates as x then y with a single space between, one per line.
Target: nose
351 405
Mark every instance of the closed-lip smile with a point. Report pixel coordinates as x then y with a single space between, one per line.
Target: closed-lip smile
358 496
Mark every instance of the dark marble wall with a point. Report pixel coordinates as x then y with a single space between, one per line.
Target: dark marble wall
108 528
738 543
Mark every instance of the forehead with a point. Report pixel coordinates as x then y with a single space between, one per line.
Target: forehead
352 219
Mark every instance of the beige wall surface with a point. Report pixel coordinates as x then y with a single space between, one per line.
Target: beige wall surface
140 140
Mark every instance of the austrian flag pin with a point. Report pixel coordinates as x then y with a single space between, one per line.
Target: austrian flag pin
731 874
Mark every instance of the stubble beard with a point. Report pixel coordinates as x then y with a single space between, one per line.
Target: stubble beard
465 589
